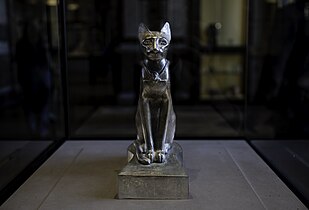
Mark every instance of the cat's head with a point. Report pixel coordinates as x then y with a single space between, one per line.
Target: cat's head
154 43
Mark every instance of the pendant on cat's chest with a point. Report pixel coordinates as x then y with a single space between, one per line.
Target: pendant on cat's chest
156 76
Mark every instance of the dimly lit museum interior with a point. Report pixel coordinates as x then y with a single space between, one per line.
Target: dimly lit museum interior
71 85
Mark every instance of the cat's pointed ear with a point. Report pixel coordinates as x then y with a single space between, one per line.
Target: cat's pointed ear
142 29
166 31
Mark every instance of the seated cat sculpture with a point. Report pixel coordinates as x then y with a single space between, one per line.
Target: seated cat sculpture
155 117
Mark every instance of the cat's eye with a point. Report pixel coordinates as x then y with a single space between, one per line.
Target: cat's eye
147 42
163 42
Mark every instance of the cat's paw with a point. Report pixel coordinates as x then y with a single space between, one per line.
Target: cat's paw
160 156
150 155
143 159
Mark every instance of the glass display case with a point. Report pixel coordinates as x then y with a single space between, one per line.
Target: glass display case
70 69
31 103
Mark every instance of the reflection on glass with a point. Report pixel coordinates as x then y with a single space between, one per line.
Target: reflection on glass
31 117
278 88
34 77
30 74
278 82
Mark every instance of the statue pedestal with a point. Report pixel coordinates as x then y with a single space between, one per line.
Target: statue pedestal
156 181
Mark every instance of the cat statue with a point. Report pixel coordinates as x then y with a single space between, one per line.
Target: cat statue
155 117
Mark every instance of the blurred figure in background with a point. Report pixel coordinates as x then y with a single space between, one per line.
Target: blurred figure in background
34 77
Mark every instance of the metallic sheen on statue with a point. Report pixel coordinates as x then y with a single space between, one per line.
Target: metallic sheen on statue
155 117
155 163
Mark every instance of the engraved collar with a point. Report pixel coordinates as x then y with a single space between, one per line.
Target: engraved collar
156 76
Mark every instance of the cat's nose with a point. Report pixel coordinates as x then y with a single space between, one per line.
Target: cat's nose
155 47
155 50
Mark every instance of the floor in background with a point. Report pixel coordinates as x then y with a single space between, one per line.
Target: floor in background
201 121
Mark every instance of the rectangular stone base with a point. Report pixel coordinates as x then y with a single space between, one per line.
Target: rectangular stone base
156 181
153 187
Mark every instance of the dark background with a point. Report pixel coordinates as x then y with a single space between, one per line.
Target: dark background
70 69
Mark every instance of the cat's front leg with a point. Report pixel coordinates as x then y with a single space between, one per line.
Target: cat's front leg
146 130
161 151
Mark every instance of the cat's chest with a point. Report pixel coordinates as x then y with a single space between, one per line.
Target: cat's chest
153 76
154 83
